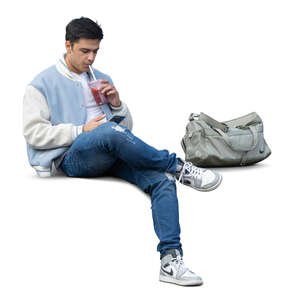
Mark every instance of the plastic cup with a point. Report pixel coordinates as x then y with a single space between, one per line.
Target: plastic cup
99 97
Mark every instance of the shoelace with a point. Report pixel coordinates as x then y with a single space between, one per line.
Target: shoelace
181 268
191 171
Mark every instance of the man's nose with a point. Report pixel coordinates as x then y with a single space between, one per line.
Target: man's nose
91 56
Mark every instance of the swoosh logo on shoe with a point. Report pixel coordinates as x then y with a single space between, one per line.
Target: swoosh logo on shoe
169 273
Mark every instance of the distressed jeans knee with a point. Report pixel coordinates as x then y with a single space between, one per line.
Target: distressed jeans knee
110 135
120 142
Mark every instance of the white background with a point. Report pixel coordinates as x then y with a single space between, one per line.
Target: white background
69 238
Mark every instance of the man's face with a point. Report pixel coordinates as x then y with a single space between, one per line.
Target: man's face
81 54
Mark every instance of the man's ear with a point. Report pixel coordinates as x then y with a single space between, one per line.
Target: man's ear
68 46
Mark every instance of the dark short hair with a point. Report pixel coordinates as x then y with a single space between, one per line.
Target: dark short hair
83 28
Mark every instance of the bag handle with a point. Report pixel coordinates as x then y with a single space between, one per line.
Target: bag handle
254 132
223 128
210 121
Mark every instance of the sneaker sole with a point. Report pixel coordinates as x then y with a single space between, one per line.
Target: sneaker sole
210 188
180 282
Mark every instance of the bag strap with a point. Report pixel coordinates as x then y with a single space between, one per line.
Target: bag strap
212 122
254 132
193 116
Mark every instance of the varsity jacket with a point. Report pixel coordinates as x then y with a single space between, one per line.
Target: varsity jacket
54 113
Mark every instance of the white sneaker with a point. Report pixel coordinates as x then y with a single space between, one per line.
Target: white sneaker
198 178
173 270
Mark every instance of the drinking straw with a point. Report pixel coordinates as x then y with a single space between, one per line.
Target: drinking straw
92 72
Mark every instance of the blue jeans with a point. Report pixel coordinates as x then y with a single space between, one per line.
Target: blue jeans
112 150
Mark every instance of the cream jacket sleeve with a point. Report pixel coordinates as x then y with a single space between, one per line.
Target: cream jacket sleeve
37 129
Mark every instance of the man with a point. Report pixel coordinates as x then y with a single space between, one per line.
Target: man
67 131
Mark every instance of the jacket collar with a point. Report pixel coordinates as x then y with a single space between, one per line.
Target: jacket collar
62 67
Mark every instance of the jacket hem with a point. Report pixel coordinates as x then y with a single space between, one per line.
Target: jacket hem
42 171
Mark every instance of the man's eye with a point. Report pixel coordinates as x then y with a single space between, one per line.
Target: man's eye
86 51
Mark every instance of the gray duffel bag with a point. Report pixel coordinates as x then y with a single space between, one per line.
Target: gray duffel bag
238 142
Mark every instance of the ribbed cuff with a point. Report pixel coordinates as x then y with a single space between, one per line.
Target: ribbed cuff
116 107
76 131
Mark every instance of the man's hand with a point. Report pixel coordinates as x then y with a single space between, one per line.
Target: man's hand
94 123
110 92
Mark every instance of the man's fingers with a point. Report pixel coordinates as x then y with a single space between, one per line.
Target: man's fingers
106 89
104 81
99 118
111 92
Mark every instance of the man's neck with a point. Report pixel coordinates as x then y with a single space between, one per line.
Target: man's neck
69 65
